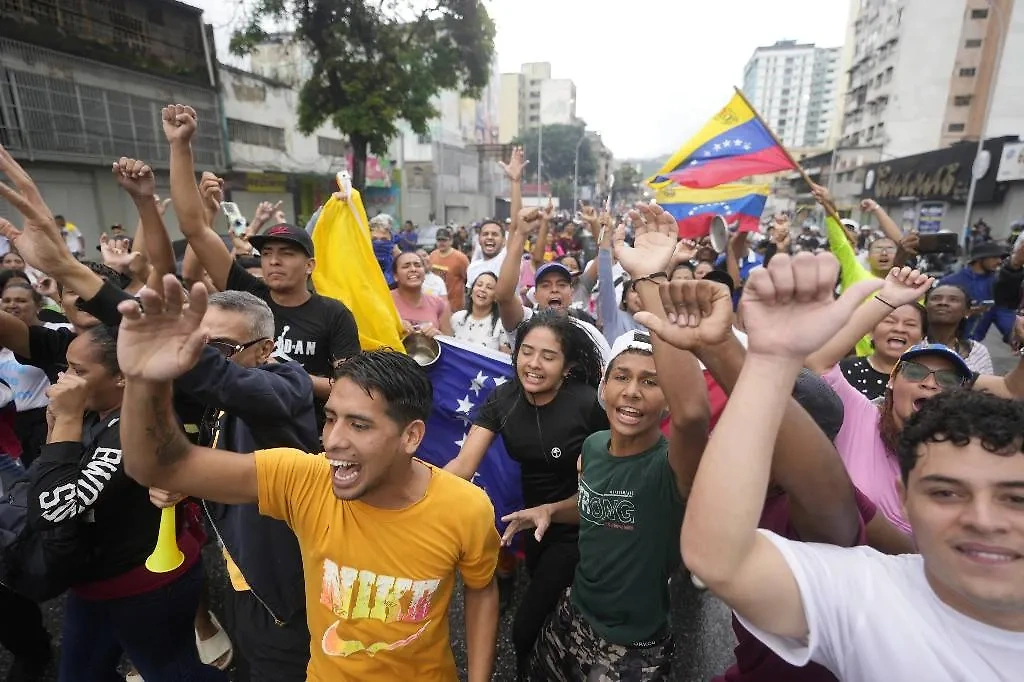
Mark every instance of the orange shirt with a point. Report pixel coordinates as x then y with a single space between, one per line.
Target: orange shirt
379 581
453 268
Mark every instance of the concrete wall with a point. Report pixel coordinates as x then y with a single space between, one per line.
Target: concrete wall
1007 115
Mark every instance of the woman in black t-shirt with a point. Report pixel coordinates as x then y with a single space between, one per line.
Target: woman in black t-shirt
901 329
543 416
115 604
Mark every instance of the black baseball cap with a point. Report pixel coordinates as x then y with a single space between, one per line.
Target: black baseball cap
442 233
284 232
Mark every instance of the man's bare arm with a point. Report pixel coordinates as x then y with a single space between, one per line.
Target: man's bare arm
157 454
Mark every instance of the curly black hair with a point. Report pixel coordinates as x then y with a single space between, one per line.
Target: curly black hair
582 356
958 417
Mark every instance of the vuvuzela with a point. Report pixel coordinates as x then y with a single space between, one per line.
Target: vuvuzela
166 556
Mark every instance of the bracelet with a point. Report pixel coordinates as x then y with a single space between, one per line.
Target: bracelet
650 278
882 300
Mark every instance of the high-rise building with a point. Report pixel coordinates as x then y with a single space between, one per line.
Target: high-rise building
532 98
794 87
921 73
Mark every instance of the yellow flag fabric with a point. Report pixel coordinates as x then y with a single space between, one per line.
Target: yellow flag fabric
347 270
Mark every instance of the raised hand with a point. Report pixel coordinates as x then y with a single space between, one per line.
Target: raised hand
161 499
534 517
265 211
115 252
788 307
869 205
823 197
211 188
179 123
161 338
528 220
40 243
136 177
684 252
516 165
655 235
699 314
905 285
68 396
161 204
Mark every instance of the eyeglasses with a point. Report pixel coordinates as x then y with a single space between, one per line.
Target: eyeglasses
228 349
883 249
944 378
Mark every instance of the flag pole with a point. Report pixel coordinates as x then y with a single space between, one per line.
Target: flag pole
830 208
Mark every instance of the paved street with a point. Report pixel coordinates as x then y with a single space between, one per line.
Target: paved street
704 638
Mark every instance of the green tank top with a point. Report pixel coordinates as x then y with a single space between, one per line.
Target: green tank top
630 517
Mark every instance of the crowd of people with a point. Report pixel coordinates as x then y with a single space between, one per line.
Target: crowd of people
811 428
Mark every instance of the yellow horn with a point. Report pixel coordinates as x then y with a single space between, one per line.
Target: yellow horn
166 556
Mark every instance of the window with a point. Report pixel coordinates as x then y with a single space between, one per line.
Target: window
327 146
256 134
968 72
955 127
962 101
424 139
973 42
979 13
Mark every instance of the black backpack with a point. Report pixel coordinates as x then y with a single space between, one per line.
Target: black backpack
39 564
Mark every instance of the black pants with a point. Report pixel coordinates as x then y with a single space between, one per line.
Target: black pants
551 565
264 650
30 427
21 627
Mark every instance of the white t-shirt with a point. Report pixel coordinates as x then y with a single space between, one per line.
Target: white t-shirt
435 286
873 617
595 334
478 267
482 332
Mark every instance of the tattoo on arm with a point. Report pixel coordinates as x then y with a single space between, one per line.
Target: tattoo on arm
170 444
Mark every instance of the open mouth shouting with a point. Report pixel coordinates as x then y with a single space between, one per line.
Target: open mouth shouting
628 416
897 343
345 474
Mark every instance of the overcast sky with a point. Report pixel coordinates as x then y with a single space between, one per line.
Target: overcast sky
648 73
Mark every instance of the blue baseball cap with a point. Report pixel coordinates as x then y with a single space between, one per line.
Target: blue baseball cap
938 350
552 268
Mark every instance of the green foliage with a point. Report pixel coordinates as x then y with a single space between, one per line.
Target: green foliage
559 151
378 62
627 177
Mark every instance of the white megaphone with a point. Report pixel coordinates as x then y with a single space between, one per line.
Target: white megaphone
719 234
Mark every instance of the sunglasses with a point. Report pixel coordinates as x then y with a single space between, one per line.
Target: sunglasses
944 378
228 349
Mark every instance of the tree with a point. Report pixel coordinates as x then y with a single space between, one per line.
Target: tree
559 153
627 178
378 62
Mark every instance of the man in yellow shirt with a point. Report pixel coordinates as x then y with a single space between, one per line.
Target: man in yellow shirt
380 532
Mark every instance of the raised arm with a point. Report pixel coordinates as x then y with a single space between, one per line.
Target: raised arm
40 242
136 178
179 126
901 286
887 224
678 371
153 349
510 307
788 311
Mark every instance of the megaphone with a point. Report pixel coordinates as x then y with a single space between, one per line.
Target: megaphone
719 233
166 556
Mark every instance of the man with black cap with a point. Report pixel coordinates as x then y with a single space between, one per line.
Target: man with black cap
978 277
454 266
310 329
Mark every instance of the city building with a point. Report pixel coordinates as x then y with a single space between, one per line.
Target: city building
532 98
270 160
794 87
921 73
83 83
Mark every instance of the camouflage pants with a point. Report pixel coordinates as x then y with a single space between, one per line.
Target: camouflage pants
568 650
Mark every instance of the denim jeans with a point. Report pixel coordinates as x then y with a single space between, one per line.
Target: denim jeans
1004 319
11 471
156 630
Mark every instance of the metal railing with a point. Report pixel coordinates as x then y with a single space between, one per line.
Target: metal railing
54 107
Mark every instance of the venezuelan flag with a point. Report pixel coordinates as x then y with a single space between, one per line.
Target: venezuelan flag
693 209
733 145
347 270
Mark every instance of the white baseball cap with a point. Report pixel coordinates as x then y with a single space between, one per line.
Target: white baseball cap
634 340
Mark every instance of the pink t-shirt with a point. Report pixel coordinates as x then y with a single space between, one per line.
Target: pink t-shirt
429 310
873 470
